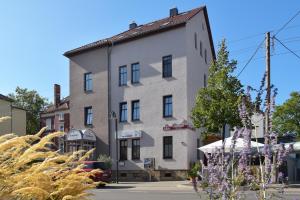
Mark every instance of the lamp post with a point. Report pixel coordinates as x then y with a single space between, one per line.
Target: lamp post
114 116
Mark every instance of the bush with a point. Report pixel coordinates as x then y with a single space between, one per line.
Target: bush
30 170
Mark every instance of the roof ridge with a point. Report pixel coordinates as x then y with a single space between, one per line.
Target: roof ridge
144 29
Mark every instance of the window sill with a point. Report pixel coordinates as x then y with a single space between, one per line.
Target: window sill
136 159
168 117
168 158
123 85
88 91
89 125
123 122
135 83
136 120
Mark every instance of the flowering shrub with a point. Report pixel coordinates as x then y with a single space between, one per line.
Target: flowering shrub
30 170
227 174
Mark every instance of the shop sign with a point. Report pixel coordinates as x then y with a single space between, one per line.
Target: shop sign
74 135
129 134
182 125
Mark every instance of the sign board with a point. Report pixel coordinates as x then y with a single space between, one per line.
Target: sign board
74 134
129 134
86 134
149 163
183 125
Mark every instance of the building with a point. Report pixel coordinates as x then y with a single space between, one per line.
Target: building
148 77
56 117
17 122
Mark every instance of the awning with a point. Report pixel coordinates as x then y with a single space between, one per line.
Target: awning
239 145
85 134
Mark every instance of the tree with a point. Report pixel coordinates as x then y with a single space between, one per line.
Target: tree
33 103
286 118
217 104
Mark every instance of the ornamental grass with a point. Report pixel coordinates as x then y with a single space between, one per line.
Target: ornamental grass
30 170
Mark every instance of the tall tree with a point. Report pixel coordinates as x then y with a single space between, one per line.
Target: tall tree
286 118
33 103
217 104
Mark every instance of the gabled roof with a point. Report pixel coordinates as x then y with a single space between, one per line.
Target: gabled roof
145 30
5 98
63 105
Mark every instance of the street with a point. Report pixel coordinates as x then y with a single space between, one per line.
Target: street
173 190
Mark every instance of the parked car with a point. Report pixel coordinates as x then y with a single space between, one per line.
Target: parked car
103 176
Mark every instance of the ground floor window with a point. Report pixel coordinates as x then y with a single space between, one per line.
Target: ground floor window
123 149
168 147
135 149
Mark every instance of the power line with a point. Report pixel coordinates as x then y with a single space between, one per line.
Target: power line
258 47
286 47
283 27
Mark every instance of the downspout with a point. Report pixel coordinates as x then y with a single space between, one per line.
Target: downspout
109 50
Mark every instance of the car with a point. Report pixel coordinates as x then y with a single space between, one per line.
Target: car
104 176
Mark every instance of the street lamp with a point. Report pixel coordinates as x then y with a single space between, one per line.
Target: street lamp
114 116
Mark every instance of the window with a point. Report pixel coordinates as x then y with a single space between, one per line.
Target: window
205 56
135 110
201 54
88 116
135 73
123 75
88 84
195 40
123 112
123 149
167 147
61 116
49 123
204 80
62 128
167 106
167 66
135 149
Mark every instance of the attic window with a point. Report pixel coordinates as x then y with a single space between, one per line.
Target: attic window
182 13
139 27
150 24
121 36
134 33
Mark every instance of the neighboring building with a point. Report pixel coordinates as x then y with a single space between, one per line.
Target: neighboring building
149 76
17 122
57 117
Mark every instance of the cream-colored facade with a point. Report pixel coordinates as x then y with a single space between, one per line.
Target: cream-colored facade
17 122
191 48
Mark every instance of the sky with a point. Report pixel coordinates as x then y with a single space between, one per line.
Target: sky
34 34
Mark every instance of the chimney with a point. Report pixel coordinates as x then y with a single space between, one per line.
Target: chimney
132 25
56 95
173 12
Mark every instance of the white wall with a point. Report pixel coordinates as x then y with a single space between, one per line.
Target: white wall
149 52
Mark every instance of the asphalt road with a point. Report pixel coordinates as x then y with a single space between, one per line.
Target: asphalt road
163 191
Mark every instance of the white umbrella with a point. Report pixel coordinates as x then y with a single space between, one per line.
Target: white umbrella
239 145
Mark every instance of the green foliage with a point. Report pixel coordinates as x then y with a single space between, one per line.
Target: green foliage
217 104
33 103
286 118
194 171
106 159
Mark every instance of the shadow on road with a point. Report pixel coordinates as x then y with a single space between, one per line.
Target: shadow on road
116 187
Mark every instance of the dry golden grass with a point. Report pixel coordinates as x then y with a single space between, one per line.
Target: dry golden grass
29 170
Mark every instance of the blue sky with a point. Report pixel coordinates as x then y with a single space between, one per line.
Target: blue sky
34 35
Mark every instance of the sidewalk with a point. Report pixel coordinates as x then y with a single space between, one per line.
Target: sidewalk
272 187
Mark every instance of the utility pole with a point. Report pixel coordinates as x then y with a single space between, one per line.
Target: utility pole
268 86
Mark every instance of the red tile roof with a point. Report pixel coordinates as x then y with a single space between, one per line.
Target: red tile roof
63 105
144 30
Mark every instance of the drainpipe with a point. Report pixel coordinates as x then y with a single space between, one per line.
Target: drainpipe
109 50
